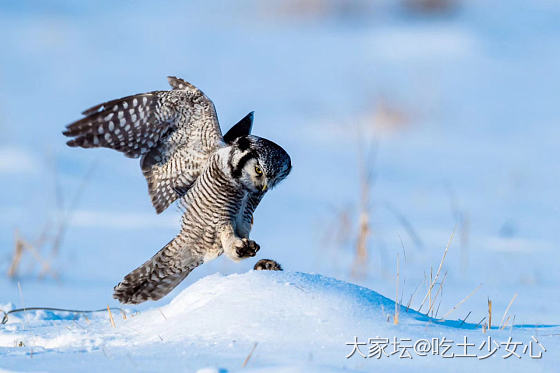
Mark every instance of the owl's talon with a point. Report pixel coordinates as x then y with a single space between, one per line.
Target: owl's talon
247 248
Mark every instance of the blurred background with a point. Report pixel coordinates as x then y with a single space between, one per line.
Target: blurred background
406 120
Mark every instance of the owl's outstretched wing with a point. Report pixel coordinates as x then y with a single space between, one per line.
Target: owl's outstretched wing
173 131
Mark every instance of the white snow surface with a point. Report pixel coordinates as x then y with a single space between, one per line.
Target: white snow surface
287 317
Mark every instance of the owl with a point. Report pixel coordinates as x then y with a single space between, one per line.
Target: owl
218 180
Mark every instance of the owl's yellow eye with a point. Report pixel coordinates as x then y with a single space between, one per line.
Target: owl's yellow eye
258 170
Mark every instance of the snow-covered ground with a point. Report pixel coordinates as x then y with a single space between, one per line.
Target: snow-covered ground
291 321
463 109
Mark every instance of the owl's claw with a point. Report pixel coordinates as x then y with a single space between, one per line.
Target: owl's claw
246 248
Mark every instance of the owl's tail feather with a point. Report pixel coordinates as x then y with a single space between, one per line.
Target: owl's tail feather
158 276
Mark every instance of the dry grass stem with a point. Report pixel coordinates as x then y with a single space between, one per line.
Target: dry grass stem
403 250
433 281
461 302
465 319
16 258
111 317
21 246
438 292
505 323
430 288
437 309
396 318
412 296
507 310
364 231
407 226
489 313
246 361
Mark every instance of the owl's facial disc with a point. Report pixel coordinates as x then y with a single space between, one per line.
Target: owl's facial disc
254 176
259 164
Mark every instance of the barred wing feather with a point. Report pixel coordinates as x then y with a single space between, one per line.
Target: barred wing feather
173 131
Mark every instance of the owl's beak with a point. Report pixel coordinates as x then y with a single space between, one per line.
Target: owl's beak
265 187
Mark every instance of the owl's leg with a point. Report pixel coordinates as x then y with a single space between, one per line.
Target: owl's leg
237 248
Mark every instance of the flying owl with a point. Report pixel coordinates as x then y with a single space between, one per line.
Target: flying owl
218 180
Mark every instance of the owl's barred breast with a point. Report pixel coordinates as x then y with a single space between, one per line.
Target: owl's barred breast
214 200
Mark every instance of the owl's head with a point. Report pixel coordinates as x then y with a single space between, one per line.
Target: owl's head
258 164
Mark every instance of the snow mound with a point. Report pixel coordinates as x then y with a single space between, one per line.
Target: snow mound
278 320
257 306
262 305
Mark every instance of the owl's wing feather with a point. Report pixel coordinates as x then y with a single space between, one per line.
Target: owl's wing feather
128 125
174 131
159 275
